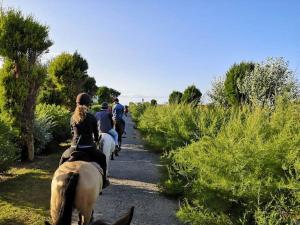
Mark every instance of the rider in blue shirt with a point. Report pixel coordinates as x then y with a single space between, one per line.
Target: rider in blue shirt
118 110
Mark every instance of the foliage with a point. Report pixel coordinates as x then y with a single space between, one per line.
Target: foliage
175 97
191 95
22 41
49 94
246 173
217 93
106 94
268 80
68 73
169 127
153 102
58 118
90 86
235 74
22 36
8 148
42 132
137 110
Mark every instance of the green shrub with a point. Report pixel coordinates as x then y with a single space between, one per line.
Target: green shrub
95 108
8 148
57 118
247 173
172 126
137 110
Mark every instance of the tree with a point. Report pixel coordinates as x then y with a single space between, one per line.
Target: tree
217 93
22 41
175 97
191 95
269 79
153 102
68 73
90 86
106 94
235 74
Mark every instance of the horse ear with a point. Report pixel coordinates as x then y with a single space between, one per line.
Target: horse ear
47 223
126 219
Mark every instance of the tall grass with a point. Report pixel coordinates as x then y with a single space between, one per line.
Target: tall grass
230 166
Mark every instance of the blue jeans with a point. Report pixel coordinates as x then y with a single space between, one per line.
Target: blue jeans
114 133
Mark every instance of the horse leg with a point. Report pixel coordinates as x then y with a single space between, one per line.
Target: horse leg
80 219
112 156
87 216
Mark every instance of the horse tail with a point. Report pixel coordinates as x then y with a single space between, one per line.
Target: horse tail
68 198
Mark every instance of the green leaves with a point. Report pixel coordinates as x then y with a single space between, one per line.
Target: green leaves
22 36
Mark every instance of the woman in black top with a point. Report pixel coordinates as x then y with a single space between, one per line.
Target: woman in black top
85 134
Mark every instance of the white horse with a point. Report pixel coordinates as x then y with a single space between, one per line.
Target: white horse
107 146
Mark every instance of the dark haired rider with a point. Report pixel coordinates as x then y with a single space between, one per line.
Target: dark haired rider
85 134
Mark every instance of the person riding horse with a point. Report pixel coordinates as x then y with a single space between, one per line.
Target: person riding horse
105 123
118 111
85 134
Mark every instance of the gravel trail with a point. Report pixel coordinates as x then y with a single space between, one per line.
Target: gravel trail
134 177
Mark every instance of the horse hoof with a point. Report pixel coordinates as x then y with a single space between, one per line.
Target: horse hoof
116 154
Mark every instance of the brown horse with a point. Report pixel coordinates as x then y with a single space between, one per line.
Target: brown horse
75 185
119 126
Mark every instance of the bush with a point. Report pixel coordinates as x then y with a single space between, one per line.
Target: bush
95 108
137 110
51 120
173 126
247 173
8 149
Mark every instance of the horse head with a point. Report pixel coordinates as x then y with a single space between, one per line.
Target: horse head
124 220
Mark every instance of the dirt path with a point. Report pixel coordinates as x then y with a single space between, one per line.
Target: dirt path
134 175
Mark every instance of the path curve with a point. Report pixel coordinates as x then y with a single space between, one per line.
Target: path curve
134 178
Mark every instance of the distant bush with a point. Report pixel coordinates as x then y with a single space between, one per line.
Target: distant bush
246 173
8 147
137 110
95 108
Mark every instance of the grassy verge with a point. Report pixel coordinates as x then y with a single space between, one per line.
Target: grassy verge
25 191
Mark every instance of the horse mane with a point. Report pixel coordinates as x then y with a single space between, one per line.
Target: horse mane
68 196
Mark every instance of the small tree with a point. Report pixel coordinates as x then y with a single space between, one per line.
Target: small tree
68 73
235 74
268 80
22 41
175 97
153 102
217 93
191 95
105 94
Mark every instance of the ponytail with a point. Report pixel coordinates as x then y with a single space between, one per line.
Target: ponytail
79 113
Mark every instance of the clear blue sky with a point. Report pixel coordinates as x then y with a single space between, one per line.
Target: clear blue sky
151 47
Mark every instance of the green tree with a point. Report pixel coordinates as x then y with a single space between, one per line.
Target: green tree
22 41
236 74
175 97
68 73
191 95
153 102
106 94
90 86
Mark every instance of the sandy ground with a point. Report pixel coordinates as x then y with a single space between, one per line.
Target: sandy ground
134 177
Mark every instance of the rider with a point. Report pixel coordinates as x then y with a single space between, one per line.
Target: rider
85 134
118 111
105 122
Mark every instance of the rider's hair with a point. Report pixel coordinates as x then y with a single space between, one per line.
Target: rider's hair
79 113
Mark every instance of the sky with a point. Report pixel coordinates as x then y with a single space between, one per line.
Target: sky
148 48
